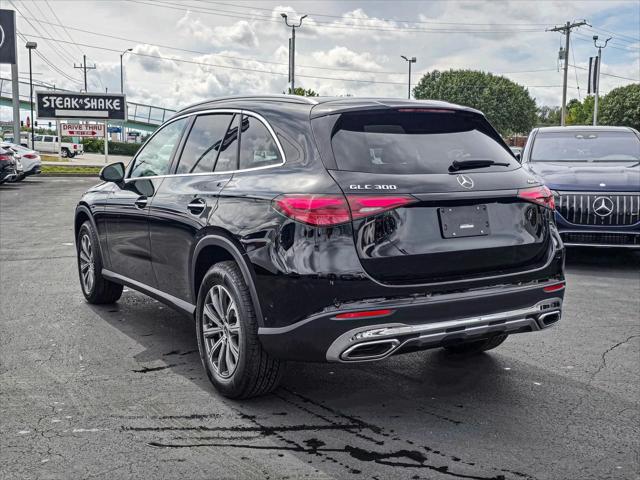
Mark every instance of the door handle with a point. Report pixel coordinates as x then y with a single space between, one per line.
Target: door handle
141 202
197 206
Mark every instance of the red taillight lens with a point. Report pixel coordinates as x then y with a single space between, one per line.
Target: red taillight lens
364 314
5 157
540 195
29 155
317 210
367 205
554 288
328 210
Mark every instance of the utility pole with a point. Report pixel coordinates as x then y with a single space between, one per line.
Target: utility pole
30 46
409 61
597 85
566 30
84 67
292 49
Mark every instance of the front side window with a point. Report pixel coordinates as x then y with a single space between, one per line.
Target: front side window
155 157
38 138
203 143
585 146
257 146
48 139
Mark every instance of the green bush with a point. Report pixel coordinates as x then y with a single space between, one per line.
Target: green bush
96 145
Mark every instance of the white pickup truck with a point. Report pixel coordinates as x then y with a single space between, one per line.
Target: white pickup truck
51 144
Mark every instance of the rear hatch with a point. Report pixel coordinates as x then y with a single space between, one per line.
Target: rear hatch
435 195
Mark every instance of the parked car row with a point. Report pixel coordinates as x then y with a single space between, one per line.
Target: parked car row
18 162
46 144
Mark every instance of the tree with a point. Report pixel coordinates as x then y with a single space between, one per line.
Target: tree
507 105
621 107
548 116
302 92
580 113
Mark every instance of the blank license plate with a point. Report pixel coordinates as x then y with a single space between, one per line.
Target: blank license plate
467 221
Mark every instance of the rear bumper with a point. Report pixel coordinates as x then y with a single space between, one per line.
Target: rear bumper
417 322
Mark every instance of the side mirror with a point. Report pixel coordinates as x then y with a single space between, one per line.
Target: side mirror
519 157
112 173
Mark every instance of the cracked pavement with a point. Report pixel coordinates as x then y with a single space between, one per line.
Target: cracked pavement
119 392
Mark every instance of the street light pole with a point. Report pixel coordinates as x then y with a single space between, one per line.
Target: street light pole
409 61
31 46
121 71
122 86
597 85
292 49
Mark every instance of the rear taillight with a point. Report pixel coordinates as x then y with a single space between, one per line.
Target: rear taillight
317 210
540 195
5 157
554 288
329 210
367 205
29 155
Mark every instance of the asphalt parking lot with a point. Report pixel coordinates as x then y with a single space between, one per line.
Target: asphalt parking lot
119 391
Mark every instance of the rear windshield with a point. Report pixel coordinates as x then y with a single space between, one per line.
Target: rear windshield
410 142
586 146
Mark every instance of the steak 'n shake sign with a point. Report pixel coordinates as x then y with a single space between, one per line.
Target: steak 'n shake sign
105 106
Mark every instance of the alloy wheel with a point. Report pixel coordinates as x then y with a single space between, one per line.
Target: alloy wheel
221 331
87 265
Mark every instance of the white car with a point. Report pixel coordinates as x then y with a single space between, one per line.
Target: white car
30 160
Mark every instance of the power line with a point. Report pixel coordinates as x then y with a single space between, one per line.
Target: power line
246 59
45 60
573 52
63 53
609 74
255 70
64 27
318 24
424 22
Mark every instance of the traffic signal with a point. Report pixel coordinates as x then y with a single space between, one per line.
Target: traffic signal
22 123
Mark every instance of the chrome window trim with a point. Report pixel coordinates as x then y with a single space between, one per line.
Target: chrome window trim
249 113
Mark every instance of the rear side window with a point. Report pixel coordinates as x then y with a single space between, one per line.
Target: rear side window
257 146
228 158
203 143
413 143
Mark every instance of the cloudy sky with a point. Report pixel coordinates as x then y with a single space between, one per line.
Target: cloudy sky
185 51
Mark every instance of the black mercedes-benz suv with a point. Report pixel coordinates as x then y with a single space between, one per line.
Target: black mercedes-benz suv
332 229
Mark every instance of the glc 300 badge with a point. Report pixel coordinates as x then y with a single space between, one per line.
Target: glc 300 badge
464 181
603 206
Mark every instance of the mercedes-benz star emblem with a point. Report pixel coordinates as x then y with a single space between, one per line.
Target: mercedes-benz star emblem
464 181
603 206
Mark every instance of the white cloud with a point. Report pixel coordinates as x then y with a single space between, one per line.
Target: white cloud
240 34
146 57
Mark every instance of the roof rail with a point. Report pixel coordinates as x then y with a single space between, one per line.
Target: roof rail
268 98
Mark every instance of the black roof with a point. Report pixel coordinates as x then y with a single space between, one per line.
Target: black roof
319 106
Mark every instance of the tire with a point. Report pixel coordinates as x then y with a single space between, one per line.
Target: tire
71 155
254 372
478 346
95 288
65 152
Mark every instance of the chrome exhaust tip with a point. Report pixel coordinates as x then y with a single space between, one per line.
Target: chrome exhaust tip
370 350
549 318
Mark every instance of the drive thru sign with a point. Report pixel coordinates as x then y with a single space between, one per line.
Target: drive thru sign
82 130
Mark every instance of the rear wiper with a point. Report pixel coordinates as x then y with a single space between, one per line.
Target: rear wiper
465 164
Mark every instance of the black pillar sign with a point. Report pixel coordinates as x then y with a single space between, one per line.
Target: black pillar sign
7 36
98 106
